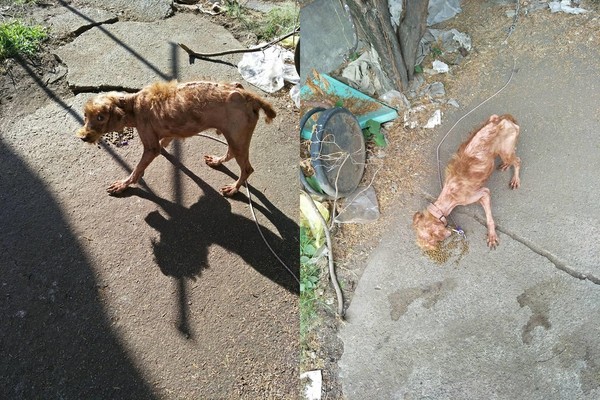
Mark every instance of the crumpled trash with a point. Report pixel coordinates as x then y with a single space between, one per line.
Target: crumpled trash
433 90
435 120
441 10
269 69
437 11
396 99
360 206
361 73
312 388
310 219
451 42
565 6
295 95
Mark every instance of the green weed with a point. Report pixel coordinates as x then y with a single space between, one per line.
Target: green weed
16 38
278 22
309 278
266 27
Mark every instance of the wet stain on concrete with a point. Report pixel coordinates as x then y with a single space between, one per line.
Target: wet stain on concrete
400 300
538 299
577 352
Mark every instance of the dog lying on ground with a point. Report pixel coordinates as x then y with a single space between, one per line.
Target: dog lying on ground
466 174
165 111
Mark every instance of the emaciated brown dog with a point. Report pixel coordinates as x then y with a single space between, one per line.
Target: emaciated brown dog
165 111
466 174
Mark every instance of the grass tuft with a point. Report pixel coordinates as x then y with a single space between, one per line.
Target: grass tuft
309 278
266 27
17 38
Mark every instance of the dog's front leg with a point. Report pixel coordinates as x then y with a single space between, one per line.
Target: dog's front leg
147 157
485 201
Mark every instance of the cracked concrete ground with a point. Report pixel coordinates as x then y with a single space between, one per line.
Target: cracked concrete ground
520 322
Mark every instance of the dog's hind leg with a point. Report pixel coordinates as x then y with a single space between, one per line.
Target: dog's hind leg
509 158
245 171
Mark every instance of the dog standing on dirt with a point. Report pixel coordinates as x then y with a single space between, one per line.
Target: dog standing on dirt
165 111
466 174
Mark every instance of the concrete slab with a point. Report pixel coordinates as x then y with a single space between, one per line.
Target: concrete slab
520 322
139 10
73 23
327 36
110 56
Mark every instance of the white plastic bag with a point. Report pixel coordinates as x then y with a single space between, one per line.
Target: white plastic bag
359 207
269 69
441 10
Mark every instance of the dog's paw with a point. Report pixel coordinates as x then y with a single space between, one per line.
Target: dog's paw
229 190
213 161
117 187
492 241
515 183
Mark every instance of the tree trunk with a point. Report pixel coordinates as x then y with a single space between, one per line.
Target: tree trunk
372 18
412 28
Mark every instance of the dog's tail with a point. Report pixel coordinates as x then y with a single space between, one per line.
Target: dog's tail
260 104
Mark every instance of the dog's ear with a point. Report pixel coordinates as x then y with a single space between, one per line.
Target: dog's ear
117 113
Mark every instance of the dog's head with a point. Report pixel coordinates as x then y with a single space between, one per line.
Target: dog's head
103 113
430 230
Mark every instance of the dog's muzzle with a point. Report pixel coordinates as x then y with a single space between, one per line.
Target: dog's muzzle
88 136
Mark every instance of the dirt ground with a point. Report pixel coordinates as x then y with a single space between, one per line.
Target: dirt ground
153 294
398 171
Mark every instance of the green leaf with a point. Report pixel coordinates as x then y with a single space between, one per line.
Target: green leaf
339 103
418 69
313 183
379 139
304 260
309 250
373 126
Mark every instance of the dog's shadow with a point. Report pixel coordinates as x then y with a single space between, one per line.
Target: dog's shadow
187 233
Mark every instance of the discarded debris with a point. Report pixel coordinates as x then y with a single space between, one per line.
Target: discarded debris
435 120
312 387
447 42
565 6
269 69
442 10
359 207
434 90
310 219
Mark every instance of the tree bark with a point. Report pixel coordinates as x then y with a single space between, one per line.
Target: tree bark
373 20
411 30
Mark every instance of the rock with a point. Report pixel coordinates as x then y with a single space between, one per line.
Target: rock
140 10
113 57
440 67
76 21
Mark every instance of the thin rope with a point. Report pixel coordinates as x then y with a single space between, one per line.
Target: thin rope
253 214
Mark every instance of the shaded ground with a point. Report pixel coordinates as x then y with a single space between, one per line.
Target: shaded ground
406 300
166 291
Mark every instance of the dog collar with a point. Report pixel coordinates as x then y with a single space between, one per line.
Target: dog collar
437 213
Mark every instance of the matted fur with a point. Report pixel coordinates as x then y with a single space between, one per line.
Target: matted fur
466 175
164 111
